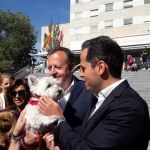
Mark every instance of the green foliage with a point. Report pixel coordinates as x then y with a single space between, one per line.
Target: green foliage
5 65
17 39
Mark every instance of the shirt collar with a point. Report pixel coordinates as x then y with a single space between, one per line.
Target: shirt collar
70 87
105 92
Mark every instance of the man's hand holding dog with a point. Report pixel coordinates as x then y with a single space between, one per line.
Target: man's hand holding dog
49 139
49 107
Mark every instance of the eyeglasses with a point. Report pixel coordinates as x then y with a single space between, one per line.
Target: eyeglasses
20 93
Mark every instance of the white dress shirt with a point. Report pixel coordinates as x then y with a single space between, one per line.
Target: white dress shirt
63 101
104 93
2 101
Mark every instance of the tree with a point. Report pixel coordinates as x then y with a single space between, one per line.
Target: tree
17 40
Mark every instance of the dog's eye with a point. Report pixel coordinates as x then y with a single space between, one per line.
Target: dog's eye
48 86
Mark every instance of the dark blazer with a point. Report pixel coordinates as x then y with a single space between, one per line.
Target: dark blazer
121 123
77 105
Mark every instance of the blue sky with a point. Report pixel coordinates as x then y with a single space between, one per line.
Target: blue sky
40 12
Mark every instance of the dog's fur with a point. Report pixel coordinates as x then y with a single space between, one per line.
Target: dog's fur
7 124
46 86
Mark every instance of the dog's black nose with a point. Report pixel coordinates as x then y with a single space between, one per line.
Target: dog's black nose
59 92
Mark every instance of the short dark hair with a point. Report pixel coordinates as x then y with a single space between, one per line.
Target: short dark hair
69 54
16 84
103 47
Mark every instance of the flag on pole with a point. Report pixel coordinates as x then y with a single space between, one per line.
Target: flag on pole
61 38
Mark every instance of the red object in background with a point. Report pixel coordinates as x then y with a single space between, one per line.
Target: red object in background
61 38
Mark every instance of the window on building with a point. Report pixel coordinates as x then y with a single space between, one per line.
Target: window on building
78 15
78 1
146 1
108 24
78 31
93 28
147 19
128 21
94 12
109 7
128 3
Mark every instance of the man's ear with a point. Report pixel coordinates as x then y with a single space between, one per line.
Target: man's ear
101 67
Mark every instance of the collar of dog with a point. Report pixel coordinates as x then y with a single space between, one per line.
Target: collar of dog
34 100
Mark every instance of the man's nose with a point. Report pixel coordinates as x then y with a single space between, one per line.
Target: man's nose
81 73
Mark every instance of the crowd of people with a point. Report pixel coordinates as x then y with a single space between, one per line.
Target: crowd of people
131 64
99 112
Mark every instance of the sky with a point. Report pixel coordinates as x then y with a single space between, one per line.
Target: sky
40 12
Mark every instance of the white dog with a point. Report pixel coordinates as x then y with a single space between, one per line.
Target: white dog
46 86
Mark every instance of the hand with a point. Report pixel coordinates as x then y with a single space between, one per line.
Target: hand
49 107
20 125
49 139
30 137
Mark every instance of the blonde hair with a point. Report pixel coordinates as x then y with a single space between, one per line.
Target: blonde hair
5 75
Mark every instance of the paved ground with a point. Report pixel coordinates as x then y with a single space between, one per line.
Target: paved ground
140 81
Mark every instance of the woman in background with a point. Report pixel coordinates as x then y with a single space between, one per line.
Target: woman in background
19 94
6 80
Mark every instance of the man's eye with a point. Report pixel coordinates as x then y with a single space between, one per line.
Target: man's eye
49 68
82 69
58 67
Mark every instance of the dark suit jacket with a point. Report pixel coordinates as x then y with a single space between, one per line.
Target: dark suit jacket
77 105
121 123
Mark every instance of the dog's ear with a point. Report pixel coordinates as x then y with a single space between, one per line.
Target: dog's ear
32 80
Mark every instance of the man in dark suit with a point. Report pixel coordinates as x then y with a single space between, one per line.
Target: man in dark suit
119 120
77 99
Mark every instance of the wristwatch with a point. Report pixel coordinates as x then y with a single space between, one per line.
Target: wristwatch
60 120
16 137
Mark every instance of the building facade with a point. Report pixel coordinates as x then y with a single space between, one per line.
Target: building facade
126 21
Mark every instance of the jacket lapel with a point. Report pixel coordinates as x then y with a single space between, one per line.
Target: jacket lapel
115 93
74 94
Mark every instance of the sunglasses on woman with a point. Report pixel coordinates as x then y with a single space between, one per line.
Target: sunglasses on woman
21 93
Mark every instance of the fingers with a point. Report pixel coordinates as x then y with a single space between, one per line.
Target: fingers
49 107
49 139
41 106
44 104
57 148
